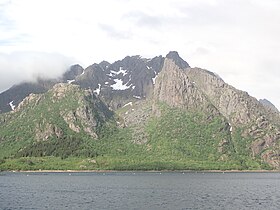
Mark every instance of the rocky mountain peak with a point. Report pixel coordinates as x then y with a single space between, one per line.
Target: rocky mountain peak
72 72
174 87
268 105
174 55
104 64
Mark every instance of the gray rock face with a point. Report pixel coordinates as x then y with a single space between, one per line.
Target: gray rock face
137 116
237 106
174 88
44 132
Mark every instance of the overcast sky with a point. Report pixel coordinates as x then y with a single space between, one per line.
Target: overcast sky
237 39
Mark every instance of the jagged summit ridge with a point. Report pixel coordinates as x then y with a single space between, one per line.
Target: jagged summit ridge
131 77
270 106
174 55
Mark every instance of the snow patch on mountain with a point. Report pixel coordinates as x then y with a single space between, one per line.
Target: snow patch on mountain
128 104
70 81
119 85
154 79
97 90
12 105
121 71
138 97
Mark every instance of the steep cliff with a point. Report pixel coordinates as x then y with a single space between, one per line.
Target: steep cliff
174 87
244 113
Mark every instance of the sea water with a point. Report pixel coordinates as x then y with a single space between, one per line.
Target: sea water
139 190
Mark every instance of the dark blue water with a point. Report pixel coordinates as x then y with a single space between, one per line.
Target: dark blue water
139 191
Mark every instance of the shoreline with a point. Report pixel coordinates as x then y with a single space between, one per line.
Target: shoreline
141 171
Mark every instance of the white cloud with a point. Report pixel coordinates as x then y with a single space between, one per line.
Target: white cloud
29 66
238 39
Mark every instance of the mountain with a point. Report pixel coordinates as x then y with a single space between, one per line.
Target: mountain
138 113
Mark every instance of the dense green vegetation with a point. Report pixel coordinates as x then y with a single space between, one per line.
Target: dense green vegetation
177 140
64 147
39 129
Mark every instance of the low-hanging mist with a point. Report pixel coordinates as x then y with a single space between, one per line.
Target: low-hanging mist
18 67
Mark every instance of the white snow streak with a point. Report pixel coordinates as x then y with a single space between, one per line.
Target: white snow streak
230 129
97 90
112 72
138 97
154 79
121 71
12 105
128 104
70 81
